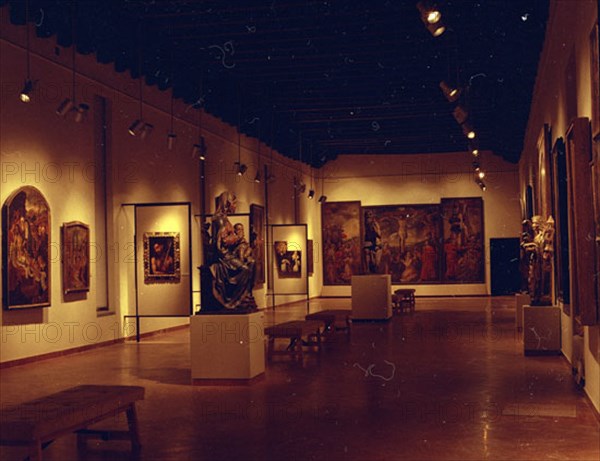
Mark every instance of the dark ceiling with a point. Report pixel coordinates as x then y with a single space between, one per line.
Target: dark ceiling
341 76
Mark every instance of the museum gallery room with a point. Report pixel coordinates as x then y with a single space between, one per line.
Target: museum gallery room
300 230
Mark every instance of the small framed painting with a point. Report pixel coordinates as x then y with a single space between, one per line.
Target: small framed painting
161 257
75 257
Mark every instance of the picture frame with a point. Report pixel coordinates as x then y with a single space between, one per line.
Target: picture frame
162 258
26 237
561 219
75 257
463 258
257 242
310 256
595 80
408 246
288 260
341 231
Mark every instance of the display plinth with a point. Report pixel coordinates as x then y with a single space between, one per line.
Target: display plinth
541 330
371 297
521 300
227 349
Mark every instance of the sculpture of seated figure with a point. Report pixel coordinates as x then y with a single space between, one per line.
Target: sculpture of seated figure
229 262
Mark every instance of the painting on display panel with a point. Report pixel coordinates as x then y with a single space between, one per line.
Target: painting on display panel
341 237
463 245
403 241
289 260
26 249
257 242
161 257
76 257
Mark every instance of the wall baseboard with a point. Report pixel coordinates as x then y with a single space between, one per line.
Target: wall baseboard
87 347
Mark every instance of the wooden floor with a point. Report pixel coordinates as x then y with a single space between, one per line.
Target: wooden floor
449 382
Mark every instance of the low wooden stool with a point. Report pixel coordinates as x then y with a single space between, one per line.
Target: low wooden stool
333 318
403 298
36 424
295 331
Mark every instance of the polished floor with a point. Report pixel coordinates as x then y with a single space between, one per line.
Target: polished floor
449 382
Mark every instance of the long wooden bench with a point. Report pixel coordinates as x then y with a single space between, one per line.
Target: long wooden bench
334 319
37 423
300 333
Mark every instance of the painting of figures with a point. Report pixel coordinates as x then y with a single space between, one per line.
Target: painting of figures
403 241
289 262
76 257
161 257
26 239
257 242
464 257
341 242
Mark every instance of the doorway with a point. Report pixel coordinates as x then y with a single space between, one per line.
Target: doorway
505 274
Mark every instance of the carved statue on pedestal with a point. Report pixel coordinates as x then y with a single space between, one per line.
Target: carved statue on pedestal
538 250
227 276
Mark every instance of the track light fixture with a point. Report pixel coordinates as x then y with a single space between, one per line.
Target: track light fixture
171 138
64 107
481 184
257 178
136 127
311 194
460 114
474 148
431 17
241 168
301 188
80 112
451 93
322 199
468 131
26 91
146 130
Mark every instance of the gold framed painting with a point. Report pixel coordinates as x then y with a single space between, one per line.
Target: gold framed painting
75 257
162 259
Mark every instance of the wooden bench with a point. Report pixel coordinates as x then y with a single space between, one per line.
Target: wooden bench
295 331
334 319
37 423
403 298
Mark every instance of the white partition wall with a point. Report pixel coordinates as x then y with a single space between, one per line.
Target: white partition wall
158 292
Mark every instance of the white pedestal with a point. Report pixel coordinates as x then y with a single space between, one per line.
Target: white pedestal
521 300
371 297
227 348
541 330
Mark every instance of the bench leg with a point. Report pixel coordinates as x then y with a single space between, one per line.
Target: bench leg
132 422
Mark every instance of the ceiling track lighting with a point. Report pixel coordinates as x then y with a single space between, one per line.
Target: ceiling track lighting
460 114
451 93
322 199
468 131
431 17
171 138
257 178
241 168
481 184
311 194
25 94
80 111
136 127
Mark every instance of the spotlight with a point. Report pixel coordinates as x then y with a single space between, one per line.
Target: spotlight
474 149
64 107
311 194
451 93
322 199
460 114
301 188
431 17
197 151
241 168
136 127
481 184
27 89
146 130
171 137
257 177
468 131
202 155
80 112
481 174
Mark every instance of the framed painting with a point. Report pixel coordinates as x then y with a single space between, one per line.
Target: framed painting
463 247
403 241
257 241
310 256
561 218
341 234
26 249
544 182
75 257
289 262
595 80
161 257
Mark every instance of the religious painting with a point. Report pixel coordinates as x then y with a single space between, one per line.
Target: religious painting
403 241
310 252
561 218
463 245
341 234
26 245
161 257
288 260
595 80
75 257
257 242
